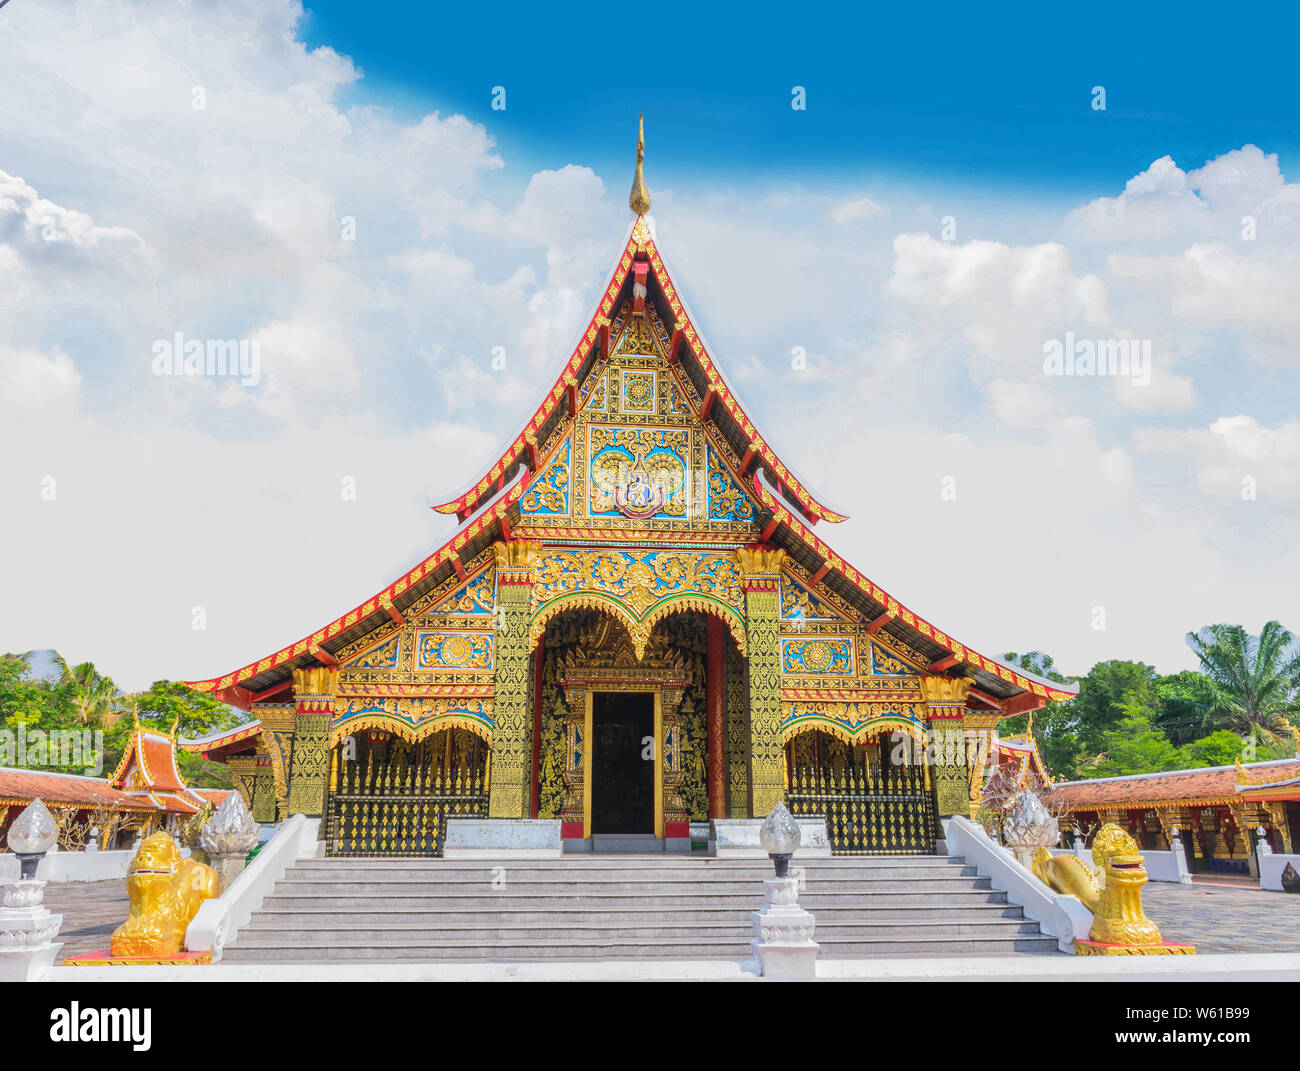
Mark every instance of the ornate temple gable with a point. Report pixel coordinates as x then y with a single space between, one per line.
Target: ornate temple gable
639 280
638 459
548 495
836 675
471 597
443 648
798 603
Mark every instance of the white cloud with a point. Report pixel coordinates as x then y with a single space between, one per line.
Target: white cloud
858 211
1235 458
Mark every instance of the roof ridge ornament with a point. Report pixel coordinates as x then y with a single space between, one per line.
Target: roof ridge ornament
639 199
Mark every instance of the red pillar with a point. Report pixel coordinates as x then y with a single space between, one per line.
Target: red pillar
539 681
716 729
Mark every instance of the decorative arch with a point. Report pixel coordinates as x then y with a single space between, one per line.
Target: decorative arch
412 720
639 627
845 722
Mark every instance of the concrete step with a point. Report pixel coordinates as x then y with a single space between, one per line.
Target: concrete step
565 931
380 916
621 906
615 862
615 948
640 875
742 902
614 886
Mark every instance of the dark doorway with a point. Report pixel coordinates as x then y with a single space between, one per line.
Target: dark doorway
622 781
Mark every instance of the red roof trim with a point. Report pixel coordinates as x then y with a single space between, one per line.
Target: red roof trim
487 517
896 609
640 241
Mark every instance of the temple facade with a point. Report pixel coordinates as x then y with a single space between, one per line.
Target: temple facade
638 626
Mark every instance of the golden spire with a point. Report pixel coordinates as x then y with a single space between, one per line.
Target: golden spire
639 199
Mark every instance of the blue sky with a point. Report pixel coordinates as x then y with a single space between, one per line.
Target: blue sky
128 214
999 101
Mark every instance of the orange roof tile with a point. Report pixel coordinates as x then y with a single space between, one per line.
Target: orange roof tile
1213 784
23 786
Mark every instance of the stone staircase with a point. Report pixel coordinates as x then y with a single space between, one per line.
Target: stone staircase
621 907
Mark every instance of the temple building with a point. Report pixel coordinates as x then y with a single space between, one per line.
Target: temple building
638 625
143 794
1220 811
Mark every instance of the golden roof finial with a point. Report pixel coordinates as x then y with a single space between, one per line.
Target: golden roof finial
639 199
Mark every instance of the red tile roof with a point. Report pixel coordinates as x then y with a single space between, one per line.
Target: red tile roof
1215 784
23 786
158 786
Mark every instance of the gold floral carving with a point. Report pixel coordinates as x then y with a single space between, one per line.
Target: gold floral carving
638 588
946 691
517 554
317 680
760 561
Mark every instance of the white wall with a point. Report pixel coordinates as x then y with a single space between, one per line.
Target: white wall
219 920
74 866
1160 866
1271 867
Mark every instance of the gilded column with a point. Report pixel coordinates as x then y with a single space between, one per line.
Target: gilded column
715 719
313 691
243 773
1278 820
737 735
945 701
263 806
762 570
510 784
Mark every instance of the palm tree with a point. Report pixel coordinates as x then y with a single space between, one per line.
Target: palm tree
1255 679
92 693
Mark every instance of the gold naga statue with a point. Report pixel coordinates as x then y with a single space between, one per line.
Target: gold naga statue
166 892
1112 892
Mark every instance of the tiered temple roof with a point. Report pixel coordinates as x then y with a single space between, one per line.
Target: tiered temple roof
786 511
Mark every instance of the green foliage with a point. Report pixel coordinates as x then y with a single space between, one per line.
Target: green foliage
82 698
1134 744
1220 748
1127 719
1185 712
1253 679
171 702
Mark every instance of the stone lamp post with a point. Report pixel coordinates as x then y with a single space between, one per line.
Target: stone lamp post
27 927
228 837
1028 827
783 931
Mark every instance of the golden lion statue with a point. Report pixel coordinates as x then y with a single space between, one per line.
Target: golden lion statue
165 892
1112 892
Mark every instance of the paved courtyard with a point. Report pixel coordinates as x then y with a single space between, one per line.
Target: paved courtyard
1223 918
1215 918
91 911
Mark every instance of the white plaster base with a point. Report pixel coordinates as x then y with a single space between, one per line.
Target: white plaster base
737 838
27 932
783 931
503 838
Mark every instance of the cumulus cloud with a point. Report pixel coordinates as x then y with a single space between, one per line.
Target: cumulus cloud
1235 458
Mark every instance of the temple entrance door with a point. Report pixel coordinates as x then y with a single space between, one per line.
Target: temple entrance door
622 762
